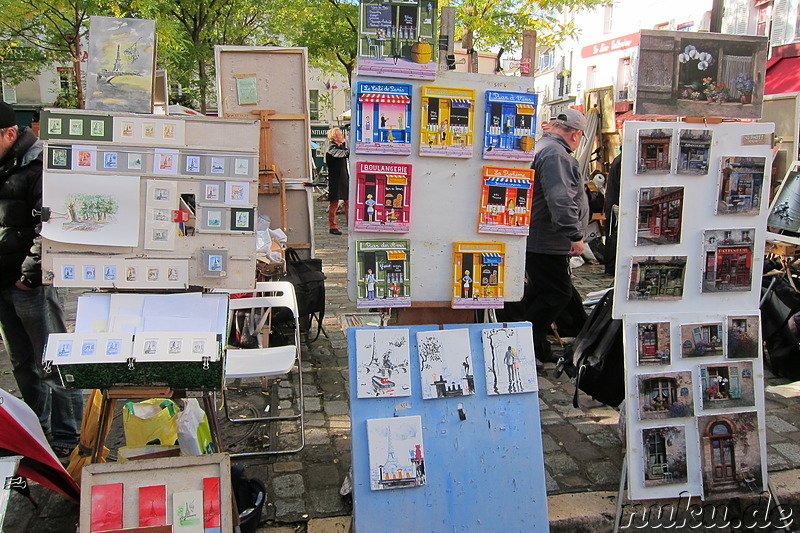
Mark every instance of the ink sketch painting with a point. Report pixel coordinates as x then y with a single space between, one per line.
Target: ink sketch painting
445 363
509 361
396 452
85 210
383 360
120 66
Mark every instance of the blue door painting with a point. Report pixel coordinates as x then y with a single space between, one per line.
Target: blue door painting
510 125
383 118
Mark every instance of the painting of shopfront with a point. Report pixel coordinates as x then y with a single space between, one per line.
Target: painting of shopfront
506 197
447 124
654 151
383 200
478 275
657 278
741 181
693 149
383 119
510 125
384 277
660 215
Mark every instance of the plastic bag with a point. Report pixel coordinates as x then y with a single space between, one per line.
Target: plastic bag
152 421
194 433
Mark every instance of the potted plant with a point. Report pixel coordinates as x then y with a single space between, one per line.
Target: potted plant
745 85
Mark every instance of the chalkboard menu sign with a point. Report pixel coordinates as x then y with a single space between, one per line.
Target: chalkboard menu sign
379 16
497 195
391 266
408 16
433 110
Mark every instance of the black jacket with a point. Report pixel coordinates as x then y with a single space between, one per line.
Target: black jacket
20 195
338 177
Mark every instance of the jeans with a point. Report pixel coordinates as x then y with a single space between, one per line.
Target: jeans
26 319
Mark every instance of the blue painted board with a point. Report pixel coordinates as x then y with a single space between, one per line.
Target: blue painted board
483 474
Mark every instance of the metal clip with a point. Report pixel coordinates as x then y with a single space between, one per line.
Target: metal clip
131 362
206 362
15 482
48 367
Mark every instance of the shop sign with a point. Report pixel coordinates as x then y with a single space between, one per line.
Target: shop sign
756 139
611 45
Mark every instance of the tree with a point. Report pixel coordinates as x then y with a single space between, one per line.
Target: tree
41 32
488 23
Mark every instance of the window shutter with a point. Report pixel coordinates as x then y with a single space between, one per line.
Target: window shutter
779 15
730 16
656 73
741 19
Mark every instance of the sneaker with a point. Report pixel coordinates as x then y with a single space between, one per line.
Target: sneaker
61 452
335 231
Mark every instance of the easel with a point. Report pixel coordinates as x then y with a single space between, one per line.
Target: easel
268 174
111 395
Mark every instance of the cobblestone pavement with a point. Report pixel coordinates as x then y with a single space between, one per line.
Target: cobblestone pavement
582 450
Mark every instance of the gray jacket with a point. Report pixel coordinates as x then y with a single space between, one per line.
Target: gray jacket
560 211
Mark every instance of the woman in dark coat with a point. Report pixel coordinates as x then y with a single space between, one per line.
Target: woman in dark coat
338 176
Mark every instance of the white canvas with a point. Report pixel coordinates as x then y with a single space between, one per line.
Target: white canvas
187 512
445 363
509 360
78 218
383 360
396 453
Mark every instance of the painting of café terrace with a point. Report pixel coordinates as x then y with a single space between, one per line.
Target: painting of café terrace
728 259
657 278
653 150
693 149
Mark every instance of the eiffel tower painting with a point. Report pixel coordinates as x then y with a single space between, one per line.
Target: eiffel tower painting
391 469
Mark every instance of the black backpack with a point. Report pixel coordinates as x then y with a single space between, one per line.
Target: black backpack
596 358
309 286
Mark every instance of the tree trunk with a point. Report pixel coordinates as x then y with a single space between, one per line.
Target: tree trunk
76 72
203 75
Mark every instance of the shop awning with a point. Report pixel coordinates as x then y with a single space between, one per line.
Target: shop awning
525 109
385 98
396 179
395 255
509 182
460 102
783 75
491 258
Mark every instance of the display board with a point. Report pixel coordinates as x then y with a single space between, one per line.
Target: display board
148 202
446 430
447 188
690 253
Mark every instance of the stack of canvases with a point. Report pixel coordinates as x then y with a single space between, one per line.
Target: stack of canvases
694 372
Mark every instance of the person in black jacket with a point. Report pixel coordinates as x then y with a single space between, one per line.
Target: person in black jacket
338 176
29 311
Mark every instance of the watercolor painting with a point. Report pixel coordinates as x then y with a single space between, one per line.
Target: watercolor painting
744 337
667 395
445 363
657 278
120 68
153 505
187 512
396 452
694 147
653 151
727 385
740 185
383 361
730 455
106 507
509 360
660 215
664 453
652 343
728 259
701 340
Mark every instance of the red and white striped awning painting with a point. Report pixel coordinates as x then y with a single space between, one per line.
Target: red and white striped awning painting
385 98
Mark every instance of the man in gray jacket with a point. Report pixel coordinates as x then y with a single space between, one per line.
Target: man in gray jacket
559 217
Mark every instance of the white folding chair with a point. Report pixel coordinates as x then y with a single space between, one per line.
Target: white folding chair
266 362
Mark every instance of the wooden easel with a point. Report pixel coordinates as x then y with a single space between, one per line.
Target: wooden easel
110 397
270 180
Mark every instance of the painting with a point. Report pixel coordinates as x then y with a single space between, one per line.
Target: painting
657 278
509 360
653 343
242 219
396 452
447 124
784 214
383 361
478 276
211 504
728 259
654 147
383 197
153 505
445 363
667 395
384 273
664 454
694 147
743 337
510 125
740 185
506 199
106 507
187 512
89 211
120 68
383 118
727 385
660 215
397 38
701 340
700 74
730 455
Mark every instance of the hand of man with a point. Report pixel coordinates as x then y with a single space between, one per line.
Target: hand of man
576 249
21 286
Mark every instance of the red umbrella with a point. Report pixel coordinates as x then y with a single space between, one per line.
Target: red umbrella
21 434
